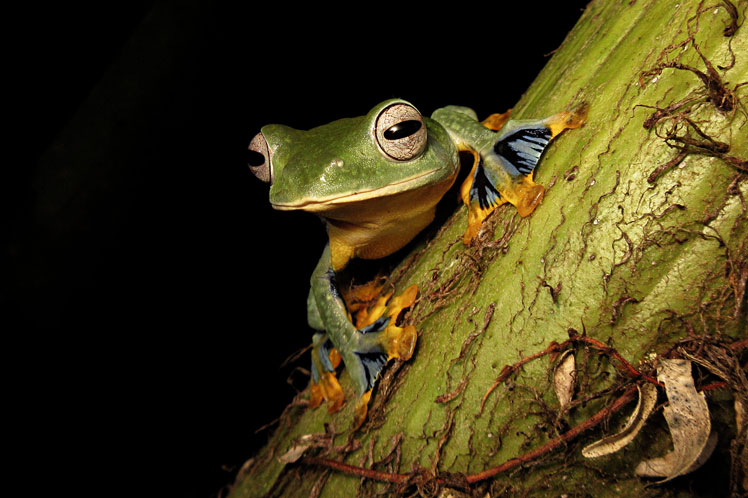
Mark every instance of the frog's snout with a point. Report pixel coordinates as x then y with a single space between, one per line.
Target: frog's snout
258 158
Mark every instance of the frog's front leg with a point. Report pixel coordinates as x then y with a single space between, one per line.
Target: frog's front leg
364 351
504 159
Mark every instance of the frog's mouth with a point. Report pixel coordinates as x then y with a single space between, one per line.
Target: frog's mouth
399 187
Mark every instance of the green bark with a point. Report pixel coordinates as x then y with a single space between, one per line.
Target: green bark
634 259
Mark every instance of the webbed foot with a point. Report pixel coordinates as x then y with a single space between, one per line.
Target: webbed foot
505 172
359 298
327 389
324 385
401 342
380 340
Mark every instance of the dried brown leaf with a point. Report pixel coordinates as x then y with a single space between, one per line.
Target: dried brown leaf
687 416
297 450
564 379
659 467
613 443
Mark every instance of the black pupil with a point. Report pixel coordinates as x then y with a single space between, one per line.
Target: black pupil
255 159
402 130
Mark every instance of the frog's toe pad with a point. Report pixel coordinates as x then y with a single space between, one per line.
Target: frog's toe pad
497 121
315 395
568 120
361 409
476 215
529 197
404 300
400 342
327 389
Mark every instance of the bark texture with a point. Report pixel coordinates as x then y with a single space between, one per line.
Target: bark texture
641 243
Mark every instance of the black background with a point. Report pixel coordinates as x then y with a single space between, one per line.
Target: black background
150 294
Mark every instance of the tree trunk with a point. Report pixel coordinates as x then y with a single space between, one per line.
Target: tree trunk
640 243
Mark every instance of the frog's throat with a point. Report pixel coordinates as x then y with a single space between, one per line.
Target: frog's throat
324 204
378 227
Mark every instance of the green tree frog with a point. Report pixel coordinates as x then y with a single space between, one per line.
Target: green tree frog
376 180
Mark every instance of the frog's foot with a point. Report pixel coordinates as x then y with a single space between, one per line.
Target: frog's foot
364 317
324 385
384 305
379 342
395 342
359 298
327 389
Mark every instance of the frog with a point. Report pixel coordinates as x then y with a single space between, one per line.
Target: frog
375 181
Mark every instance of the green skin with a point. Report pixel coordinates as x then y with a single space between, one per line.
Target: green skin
315 170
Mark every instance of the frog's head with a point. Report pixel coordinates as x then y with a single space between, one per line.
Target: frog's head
390 150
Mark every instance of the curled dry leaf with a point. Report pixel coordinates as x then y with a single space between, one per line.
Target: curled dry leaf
564 379
659 467
687 417
613 443
297 450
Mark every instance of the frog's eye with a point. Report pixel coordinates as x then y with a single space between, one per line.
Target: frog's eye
401 132
258 159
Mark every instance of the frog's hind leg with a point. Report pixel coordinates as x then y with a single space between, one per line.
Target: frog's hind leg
324 385
377 342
